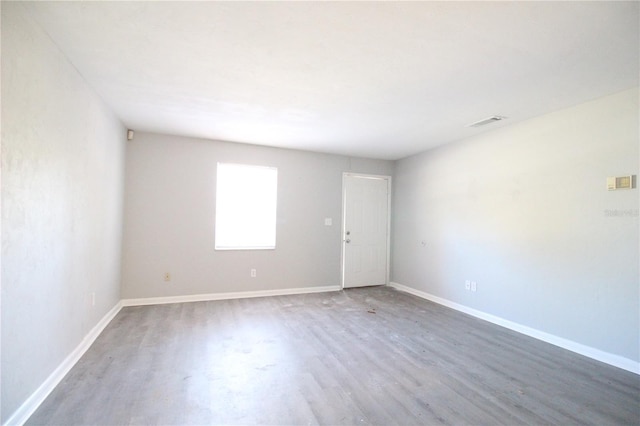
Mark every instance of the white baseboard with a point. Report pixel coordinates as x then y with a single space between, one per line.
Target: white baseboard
22 414
226 296
588 351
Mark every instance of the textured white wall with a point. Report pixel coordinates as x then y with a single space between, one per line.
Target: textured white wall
524 211
170 211
62 191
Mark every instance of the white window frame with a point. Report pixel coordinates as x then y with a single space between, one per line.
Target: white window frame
246 209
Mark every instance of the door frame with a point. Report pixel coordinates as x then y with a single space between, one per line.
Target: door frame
343 225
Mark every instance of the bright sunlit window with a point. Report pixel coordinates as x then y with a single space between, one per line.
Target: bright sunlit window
246 207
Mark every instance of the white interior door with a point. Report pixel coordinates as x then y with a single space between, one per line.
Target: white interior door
365 242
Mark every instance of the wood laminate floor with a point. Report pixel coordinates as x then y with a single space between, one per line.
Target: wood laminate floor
360 356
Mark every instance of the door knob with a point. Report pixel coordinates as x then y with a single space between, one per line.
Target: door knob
347 241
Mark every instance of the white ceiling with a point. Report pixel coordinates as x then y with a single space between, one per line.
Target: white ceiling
371 79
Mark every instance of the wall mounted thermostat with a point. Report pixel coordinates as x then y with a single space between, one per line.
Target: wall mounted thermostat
620 182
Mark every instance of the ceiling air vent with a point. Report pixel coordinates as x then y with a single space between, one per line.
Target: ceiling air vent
488 120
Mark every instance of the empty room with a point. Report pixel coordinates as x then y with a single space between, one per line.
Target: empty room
288 213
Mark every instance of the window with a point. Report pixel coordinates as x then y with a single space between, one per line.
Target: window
246 207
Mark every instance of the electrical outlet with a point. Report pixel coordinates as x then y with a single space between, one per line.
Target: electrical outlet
167 276
473 286
467 285
253 273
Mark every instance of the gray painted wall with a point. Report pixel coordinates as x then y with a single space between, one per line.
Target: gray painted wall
524 211
62 192
170 212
